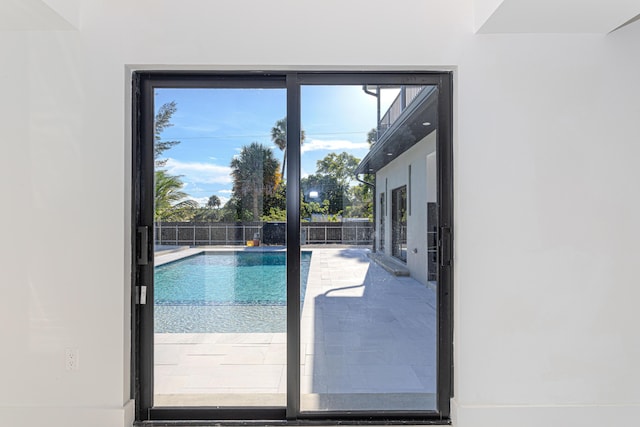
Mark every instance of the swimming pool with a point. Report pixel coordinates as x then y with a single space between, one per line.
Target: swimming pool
232 291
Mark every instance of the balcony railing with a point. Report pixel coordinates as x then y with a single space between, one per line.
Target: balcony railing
405 97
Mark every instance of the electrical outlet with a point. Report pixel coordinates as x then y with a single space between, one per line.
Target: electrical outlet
72 359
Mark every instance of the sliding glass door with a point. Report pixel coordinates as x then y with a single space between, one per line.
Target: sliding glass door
263 285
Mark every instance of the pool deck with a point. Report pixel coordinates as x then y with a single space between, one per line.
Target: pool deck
368 341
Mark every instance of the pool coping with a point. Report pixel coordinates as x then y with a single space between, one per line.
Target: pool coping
166 257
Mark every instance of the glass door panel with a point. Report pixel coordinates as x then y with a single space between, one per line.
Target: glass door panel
219 289
369 316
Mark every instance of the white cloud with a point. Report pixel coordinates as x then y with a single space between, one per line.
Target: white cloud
196 172
202 201
332 145
225 191
193 187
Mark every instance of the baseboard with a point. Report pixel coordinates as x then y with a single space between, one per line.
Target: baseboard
32 416
545 416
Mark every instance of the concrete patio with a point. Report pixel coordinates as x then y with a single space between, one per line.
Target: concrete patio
368 342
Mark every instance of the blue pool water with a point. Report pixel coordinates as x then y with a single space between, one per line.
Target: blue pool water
224 292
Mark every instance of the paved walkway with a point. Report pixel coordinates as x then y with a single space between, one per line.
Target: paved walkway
368 342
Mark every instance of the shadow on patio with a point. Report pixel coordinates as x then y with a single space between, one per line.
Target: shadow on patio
368 337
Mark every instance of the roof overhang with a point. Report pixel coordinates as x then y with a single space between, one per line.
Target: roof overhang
418 120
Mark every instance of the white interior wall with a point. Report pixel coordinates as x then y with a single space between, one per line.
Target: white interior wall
546 203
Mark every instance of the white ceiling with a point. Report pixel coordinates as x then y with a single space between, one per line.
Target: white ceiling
554 16
492 16
33 15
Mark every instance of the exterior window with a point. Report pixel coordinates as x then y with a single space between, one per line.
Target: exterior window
383 211
409 201
399 223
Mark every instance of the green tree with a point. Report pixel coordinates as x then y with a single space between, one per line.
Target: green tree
161 122
340 166
333 181
214 202
279 138
328 190
308 208
362 194
255 174
171 203
233 211
210 212
274 207
372 136
361 202
274 214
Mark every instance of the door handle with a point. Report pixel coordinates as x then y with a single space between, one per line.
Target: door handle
143 245
446 247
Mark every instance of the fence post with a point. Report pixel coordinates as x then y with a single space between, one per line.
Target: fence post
209 243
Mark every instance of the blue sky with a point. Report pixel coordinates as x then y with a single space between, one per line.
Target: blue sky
214 124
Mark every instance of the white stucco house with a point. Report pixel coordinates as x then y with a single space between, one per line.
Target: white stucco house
403 161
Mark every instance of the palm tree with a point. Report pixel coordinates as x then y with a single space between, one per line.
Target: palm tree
170 200
255 173
279 137
214 202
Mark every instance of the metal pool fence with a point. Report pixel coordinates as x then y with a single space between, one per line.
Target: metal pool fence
238 233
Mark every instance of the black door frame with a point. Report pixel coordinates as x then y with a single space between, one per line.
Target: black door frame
144 84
